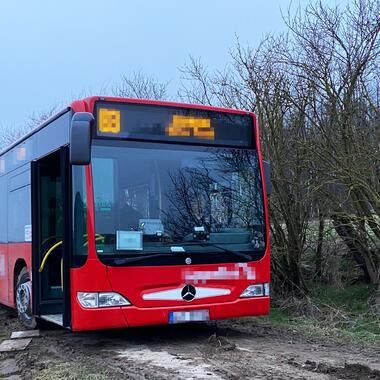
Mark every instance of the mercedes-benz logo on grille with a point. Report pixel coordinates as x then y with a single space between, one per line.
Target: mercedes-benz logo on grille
188 292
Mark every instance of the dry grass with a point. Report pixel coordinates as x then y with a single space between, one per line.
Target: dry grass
331 313
71 371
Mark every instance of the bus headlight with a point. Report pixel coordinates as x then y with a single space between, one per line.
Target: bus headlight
112 299
95 300
88 300
256 290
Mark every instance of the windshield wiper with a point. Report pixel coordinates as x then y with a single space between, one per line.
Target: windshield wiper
226 250
127 260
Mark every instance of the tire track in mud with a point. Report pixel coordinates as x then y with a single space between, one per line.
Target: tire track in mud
233 353
233 349
178 366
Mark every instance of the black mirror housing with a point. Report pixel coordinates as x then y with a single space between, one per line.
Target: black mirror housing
268 182
80 138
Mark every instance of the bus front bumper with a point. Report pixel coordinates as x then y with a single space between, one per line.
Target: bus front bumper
129 316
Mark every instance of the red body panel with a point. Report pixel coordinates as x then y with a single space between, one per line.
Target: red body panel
160 315
4 274
9 254
92 277
129 316
134 282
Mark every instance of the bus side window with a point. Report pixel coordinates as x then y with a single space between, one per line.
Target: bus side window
19 207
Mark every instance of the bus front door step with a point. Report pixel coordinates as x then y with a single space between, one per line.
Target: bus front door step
53 318
25 334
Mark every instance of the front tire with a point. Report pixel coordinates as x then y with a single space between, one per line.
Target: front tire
23 297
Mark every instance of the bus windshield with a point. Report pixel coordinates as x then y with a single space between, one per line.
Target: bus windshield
167 198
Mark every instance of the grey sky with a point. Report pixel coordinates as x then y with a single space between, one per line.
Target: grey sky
54 51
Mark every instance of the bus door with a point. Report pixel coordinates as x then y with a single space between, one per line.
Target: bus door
51 237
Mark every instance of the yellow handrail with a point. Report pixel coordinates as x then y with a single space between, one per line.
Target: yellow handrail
47 254
97 238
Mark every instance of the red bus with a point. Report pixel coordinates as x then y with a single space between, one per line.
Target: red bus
124 212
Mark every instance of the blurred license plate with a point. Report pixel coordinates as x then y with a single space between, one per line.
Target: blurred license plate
188 316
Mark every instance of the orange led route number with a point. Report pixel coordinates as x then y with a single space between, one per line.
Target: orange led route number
109 121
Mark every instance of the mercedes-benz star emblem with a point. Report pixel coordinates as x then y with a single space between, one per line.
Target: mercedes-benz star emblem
188 260
188 292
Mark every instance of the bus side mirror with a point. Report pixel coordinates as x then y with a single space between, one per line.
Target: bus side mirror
268 182
80 138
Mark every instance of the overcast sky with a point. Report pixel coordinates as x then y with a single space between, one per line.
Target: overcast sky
54 51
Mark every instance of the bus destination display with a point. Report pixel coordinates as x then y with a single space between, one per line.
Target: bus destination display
162 123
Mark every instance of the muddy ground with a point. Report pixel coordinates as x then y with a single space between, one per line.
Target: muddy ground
234 349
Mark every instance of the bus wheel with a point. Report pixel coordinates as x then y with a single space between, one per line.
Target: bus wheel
23 291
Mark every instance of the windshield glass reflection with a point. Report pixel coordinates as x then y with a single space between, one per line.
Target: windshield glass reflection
154 198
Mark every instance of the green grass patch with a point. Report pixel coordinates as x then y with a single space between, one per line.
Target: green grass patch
71 371
331 313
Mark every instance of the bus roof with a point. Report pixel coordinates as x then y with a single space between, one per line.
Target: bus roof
35 130
87 105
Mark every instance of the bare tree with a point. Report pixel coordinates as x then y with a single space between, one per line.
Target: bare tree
139 85
316 93
336 53
222 192
254 82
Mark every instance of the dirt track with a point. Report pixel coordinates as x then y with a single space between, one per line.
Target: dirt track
239 349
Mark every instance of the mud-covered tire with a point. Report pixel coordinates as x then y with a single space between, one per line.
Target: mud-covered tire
23 298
